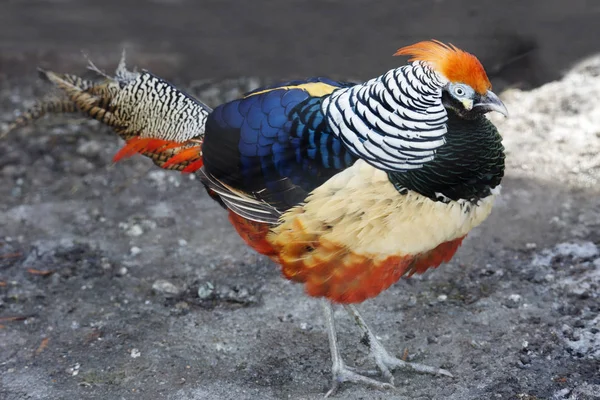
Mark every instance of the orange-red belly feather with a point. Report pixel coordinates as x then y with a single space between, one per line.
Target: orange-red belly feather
333 271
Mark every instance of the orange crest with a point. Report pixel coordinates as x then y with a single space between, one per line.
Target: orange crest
453 63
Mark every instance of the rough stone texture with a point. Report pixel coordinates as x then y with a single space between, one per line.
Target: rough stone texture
127 282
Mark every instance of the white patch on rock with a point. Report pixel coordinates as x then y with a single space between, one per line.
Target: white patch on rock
579 250
554 130
165 287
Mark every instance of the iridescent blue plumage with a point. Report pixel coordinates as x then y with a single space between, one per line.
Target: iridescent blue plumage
275 141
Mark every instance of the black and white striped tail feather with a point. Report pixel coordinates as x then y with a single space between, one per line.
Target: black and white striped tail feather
132 103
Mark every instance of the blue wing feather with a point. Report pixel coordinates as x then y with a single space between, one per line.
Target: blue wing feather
274 143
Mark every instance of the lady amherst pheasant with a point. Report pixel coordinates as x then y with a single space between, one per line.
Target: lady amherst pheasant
347 186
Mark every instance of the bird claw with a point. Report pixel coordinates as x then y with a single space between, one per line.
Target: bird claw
386 363
343 373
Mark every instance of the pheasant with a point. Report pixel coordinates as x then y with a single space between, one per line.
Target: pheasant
348 187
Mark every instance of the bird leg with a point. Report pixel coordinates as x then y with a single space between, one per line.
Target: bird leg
385 362
341 372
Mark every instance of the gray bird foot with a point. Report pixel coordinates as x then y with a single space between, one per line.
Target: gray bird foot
386 363
342 373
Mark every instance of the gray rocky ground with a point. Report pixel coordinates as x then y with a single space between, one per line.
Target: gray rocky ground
127 282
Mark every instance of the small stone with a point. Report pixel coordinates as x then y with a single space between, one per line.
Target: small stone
182 242
89 148
165 287
122 271
105 264
134 251
525 359
205 290
12 171
174 180
148 224
135 230
135 353
515 298
579 324
531 246
442 297
74 370
182 305
412 301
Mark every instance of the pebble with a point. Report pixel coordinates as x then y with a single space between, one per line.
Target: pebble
134 251
122 271
135 230
74 370
432 340
105 264
12 171
205 290
89 148
165 287
305 326
515 297
135 353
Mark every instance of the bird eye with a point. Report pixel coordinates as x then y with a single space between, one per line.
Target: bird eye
459 91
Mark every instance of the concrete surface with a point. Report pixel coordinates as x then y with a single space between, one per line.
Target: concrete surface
127 282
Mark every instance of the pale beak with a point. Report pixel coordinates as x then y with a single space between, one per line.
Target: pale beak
490 102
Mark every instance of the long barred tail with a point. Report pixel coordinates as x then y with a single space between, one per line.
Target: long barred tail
151 115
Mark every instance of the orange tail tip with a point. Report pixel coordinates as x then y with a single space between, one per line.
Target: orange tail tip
138 145
190 155
190 158
194 166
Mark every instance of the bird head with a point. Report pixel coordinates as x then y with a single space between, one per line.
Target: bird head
468 89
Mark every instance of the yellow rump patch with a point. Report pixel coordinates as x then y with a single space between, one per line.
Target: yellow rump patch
316 89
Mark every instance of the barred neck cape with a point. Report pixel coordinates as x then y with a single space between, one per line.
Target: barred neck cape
394 122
